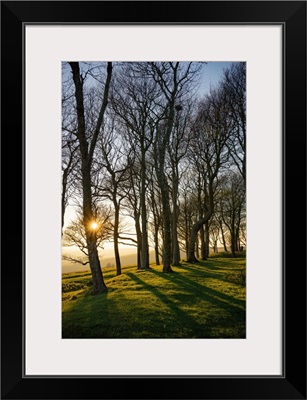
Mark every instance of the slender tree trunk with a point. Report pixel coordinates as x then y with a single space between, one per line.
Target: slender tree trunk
233 240
145 251
197 247
207 239
203 244
166 212
176 250
187 245
139 238
156 219
238 236
167 253
193 239
63 199
156 239
198 224
116 250
187 229
223 237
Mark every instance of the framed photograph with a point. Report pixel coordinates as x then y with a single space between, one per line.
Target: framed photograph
176 129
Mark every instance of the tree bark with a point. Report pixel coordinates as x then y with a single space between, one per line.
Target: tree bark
223 237
207 239
167 252
87 151
63 199
233 240
145 250
198 224
116 250
139 238
203 251
156 220
176 250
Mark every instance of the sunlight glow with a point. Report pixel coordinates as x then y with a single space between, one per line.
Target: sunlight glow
94 225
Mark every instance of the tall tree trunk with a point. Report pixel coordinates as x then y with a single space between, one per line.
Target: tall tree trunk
156 220
197 247
233 240
139 238
167 252
176 250
145 251
116 250
86 160
156 239
97 278
198 224
193 239
207 238
163 185
238 235
63 198
187 229
223 237
203 244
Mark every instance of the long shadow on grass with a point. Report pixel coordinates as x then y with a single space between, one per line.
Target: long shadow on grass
209 274
197 329
229 303
80 321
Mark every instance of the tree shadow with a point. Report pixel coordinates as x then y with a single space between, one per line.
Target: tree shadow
190 323
81 318
223 300
208 274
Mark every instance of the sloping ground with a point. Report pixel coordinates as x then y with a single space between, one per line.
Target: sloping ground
205 300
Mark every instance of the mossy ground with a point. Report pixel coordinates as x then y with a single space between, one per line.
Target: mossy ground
203 300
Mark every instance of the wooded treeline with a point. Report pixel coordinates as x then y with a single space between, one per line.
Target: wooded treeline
140 143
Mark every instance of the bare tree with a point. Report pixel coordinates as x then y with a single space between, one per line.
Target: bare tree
75 234
234 85
134 101
154 202
70 152
177 149
214 233
175 80
231 206
87 146
69 163
187 215
131 204
211 131
113 166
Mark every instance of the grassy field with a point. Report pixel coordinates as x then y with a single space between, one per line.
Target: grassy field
205 300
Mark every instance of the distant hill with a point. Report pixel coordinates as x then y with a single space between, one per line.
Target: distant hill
126 259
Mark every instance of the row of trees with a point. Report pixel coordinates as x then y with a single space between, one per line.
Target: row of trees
140 143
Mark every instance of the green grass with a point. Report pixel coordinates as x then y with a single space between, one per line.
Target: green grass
205 300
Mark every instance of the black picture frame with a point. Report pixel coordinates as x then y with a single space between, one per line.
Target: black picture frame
292 16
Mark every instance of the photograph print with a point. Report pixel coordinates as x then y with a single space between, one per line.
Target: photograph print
154 200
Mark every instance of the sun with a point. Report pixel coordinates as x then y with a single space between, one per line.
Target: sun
94 225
